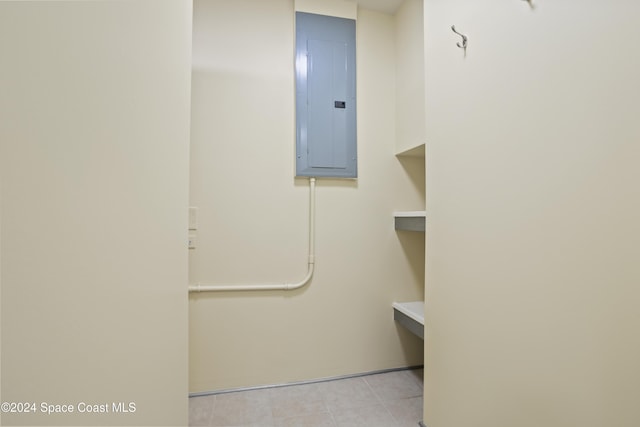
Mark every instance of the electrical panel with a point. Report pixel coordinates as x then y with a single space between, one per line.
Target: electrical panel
325 96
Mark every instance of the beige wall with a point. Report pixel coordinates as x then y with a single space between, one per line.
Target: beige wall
339 8
409 75
253 213
533 205
94 166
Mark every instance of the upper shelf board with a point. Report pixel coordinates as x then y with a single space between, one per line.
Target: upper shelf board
417 151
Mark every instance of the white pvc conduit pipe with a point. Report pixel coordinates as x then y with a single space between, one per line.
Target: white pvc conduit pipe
199 287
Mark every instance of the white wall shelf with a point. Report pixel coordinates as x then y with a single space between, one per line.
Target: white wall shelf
410 220
417 151
410 315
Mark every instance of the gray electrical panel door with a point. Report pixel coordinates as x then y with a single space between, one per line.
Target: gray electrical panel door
325 96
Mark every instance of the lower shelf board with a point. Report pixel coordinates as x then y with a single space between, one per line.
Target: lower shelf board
410 315
410 221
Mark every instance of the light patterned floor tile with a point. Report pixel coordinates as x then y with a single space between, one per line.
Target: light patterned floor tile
394 385
200 410
242 409
348 393
392 399
296 400
365 416
406 412
313 420
418 375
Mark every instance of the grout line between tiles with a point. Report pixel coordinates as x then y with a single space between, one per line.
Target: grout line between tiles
380 401
213 408
333 419
372 390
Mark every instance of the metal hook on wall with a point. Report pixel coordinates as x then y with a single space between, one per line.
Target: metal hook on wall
531 5
464 40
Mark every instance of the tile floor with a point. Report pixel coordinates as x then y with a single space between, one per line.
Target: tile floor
392 399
